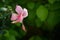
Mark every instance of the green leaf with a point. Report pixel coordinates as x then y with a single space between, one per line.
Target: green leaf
22 33
13 32
0 36
7 33
10 8
30 5
31 15
12 37
35 38
38 22
21 2
42 13
18 24
52 20
31 18
32 38
51 1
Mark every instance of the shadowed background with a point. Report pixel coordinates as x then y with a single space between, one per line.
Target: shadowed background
42 23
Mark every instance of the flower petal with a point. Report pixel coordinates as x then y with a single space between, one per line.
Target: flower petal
20 18
14 16
23 28
14 22
18 9
25 12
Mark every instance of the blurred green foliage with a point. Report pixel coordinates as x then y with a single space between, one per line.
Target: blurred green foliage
43 14
35 38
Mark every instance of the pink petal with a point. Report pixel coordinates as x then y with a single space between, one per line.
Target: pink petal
18 9
14 16
25 12
20 18
23 28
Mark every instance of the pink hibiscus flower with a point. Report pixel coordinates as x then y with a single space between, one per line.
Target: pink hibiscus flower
21 14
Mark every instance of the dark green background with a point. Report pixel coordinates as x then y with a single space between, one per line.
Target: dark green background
42 23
